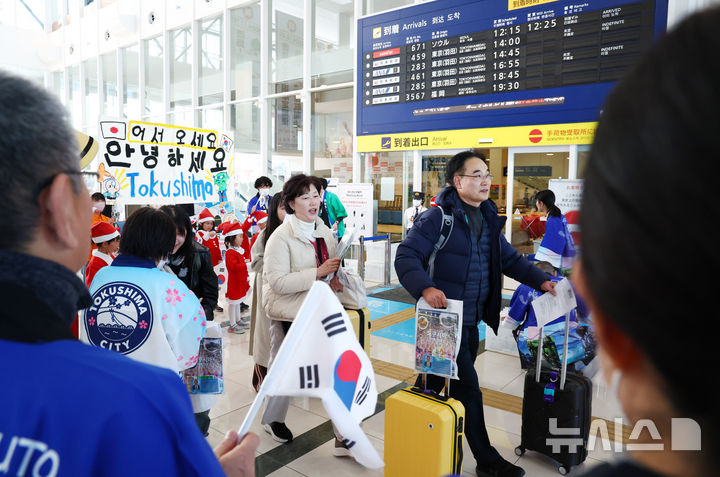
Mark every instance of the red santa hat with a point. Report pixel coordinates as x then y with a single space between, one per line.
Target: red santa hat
205 216
103 232
233 229
260 216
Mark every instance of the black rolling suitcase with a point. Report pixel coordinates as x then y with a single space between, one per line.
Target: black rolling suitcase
556 412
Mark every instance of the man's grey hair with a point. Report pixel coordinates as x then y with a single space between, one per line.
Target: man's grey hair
36 143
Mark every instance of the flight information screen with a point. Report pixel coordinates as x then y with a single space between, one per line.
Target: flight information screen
460 64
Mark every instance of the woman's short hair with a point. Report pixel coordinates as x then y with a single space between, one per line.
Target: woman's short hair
148 233
296 186
97 196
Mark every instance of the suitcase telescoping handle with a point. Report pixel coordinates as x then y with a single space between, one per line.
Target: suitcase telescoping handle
563 369
447 384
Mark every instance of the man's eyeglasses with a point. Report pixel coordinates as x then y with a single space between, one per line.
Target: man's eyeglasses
40 187
479 177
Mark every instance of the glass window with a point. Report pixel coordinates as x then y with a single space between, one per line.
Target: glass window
245 52
533 172
131 88
332 53
376 6
245 124
91 91
153 89
74 100
210 75
583 156
181 63
286 49
385 171
332 116
286 130
182 118
57 84
212 118
110 92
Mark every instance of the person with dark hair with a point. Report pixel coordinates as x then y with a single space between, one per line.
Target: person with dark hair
191 261
654 331
133 291
557 246
261 199
259 322
98 206
332 212
68 392
469 268
299 252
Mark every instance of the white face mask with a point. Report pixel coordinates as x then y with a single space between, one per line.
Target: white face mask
264 192
417 202
98 206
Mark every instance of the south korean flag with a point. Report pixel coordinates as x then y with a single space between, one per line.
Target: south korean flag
321 357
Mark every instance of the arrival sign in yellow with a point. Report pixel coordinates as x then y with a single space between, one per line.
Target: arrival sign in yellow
514 136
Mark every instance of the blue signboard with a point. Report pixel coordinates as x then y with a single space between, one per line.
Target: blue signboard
459 64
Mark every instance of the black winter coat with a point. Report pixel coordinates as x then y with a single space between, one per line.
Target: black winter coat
200 277
452 262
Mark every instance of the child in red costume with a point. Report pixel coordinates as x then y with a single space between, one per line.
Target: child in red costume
207 236
107 240
238 285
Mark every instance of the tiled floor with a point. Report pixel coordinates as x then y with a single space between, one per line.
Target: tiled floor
497 371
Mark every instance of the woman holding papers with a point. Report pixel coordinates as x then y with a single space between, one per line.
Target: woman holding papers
296 255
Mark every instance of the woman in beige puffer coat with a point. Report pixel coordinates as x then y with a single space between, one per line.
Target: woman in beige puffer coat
296 255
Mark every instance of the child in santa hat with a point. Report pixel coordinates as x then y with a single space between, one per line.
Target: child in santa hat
237 283
261 219
107 240
207 236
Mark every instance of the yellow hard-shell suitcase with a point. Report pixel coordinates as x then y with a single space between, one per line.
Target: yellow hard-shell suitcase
360 320
423 434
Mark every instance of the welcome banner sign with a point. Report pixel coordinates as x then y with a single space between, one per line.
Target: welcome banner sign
150 163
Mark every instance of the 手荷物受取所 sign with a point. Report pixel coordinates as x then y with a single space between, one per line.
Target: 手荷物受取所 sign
487 64
542 135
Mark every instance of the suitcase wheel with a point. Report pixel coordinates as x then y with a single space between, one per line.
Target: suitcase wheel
519 450
563 470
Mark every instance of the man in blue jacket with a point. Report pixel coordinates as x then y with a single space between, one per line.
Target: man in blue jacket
469 268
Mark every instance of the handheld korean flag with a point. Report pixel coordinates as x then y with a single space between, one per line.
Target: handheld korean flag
321 357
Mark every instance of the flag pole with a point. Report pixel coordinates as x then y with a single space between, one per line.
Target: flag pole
279 363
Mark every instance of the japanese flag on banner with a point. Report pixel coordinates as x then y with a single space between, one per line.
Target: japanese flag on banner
113 130
321 357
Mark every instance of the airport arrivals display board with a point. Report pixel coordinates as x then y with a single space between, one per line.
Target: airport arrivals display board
459 64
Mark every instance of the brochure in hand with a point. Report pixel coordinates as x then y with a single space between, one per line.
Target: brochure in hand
437 338
206 377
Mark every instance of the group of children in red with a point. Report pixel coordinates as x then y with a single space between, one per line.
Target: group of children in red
106 239
237 256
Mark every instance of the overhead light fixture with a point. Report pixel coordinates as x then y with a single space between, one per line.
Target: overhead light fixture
485 140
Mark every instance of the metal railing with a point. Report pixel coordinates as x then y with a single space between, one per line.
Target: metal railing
388 256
